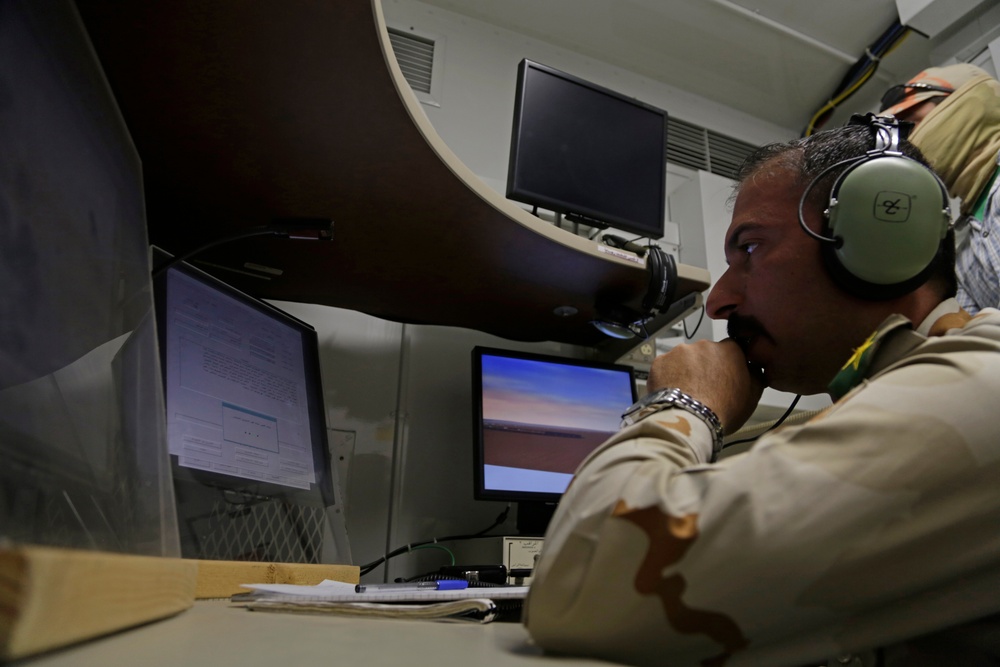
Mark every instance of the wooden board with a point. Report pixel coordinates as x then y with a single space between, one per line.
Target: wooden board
50 598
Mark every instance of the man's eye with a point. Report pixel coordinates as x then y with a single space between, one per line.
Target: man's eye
748 248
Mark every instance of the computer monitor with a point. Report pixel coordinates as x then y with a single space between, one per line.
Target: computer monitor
589 153
245 416
535 418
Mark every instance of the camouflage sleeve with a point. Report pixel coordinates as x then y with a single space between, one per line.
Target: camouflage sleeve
874 522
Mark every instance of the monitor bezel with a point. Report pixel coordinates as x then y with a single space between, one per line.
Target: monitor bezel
527 194
480 492
321 493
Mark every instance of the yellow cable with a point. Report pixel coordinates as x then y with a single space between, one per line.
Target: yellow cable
832 104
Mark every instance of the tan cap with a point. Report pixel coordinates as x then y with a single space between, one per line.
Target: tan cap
932 82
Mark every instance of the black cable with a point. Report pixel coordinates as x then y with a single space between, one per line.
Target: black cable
773 426
320 229
858 74
697 326
368 567
809 188
639 329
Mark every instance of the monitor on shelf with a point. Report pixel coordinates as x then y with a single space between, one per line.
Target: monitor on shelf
586 152
246 429
535 418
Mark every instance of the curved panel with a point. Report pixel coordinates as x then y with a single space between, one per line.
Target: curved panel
244 112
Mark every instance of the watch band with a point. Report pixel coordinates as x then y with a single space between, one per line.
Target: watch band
675 398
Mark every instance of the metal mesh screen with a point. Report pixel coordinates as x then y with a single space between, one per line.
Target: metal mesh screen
271 530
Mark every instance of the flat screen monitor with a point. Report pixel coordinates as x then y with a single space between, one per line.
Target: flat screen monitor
243 397
587 152
535 418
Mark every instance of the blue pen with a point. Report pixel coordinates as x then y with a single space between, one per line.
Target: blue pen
443 585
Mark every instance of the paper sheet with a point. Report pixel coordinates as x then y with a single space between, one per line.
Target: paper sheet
338 591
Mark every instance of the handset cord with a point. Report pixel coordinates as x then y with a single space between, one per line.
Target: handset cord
773 426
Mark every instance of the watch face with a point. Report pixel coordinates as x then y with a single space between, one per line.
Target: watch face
657 396
648 400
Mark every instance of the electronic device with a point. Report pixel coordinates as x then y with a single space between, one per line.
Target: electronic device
244 403
589 153
617 320
535 418
886 217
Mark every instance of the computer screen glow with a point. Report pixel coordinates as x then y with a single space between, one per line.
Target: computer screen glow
239 394
537 417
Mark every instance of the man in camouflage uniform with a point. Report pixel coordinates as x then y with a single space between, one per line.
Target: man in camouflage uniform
869 535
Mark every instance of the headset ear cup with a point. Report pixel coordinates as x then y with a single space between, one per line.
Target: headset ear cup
888 214
662 281
619 321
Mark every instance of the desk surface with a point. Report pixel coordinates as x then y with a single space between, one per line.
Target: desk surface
216 633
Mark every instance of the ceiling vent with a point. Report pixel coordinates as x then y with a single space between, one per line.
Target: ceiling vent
415 55
692 146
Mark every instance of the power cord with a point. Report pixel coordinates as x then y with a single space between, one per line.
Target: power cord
624 244
311 229
368 567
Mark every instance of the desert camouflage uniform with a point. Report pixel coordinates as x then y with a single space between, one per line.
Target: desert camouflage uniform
834 541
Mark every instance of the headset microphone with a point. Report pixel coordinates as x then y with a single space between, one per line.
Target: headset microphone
886 217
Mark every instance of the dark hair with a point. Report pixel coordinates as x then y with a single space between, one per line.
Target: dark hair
809 157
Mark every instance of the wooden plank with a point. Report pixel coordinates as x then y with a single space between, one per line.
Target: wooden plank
221 579
50 598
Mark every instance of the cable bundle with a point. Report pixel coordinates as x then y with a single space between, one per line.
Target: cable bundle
859 73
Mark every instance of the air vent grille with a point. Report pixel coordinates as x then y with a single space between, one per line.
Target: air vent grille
415 56
692 146
686 144
726 154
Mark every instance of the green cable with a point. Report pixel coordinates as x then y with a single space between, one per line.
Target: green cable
437 546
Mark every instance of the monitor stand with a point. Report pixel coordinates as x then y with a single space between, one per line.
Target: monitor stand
580 219
533 517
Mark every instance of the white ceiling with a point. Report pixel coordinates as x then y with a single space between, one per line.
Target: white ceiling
779 60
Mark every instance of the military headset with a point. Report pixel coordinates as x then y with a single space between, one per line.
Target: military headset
620 321
886 217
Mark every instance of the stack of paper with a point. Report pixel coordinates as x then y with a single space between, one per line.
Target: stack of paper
336 597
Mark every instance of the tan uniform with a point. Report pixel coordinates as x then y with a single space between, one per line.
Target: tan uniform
876 522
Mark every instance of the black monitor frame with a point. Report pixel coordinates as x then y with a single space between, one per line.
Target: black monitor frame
321 492
535 506
586 152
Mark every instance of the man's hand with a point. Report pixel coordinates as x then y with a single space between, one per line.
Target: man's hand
717 374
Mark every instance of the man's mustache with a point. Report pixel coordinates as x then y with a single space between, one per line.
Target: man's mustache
742 328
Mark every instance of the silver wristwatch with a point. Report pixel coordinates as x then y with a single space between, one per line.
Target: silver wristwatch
675 398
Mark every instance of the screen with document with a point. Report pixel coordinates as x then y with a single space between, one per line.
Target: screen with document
243 392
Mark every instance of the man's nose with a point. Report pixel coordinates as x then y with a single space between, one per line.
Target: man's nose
724 298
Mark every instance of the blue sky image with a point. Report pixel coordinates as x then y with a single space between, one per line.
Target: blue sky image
538 392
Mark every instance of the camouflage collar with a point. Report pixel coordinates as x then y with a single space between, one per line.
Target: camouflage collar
893 339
